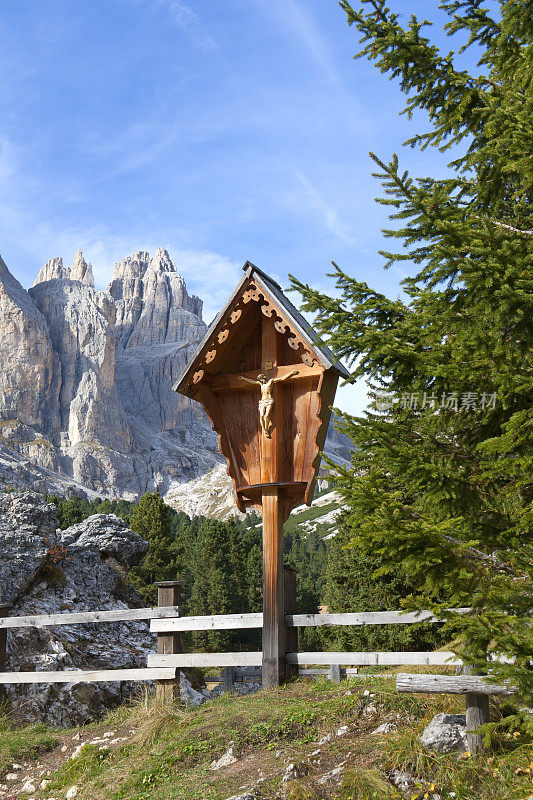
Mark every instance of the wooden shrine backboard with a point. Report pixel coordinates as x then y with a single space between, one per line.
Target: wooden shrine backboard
260 333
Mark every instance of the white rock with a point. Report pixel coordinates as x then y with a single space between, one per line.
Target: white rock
246 796
325 739
28 786
401 779
188 695
445 733
342 730
11 776
44 783
387 727
77 750
225 760
72 793
333 775
292 773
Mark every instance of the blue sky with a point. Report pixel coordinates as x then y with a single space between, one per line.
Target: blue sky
223 130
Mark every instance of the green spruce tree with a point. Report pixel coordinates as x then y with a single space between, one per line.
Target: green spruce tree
216 588
152 520
441 481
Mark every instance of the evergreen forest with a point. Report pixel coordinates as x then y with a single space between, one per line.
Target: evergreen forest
220 567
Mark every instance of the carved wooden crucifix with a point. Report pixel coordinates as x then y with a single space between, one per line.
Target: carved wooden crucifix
267 399
271 440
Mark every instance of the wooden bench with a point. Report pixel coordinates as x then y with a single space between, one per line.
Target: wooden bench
475 688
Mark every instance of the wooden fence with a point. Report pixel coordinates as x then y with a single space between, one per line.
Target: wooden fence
168 624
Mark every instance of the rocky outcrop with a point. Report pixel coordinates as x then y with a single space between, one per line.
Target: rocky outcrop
158 327
45 570
52 269
210 495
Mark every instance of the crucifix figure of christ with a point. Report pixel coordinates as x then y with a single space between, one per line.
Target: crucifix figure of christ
266 402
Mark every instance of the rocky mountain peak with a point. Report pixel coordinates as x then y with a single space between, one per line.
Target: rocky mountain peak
52 270
162 262
81 270
127 271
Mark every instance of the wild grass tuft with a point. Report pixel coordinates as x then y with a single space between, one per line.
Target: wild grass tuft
360 783
157 718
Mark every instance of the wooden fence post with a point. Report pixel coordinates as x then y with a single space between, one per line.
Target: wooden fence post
335 673
229 678
291 633
477 713
5 608
169 594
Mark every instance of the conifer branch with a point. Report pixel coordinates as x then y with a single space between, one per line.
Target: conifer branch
512 228
479 555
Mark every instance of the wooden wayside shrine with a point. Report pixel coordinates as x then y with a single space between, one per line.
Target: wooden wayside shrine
267 388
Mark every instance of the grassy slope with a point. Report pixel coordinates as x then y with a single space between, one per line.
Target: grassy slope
169 754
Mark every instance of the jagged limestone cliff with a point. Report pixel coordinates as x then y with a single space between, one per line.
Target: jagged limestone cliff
86 396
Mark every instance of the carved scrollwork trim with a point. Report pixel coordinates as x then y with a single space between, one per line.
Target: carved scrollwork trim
253 294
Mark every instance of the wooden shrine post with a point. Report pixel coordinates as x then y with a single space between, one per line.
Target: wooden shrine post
268 389
273 577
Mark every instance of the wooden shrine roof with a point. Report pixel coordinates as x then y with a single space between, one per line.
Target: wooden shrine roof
301 326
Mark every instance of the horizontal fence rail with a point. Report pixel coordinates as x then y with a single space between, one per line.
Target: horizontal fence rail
215 622
378 659
449 684
88 675
167 619
246 659
83 617
184 660
364 618
238 621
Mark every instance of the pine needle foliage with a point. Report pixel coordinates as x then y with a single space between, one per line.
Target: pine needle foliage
441 480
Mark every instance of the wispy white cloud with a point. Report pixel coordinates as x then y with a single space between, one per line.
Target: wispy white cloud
316 200
294 17
186 19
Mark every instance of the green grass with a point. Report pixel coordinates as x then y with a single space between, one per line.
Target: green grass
19 744
169 756
500 775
